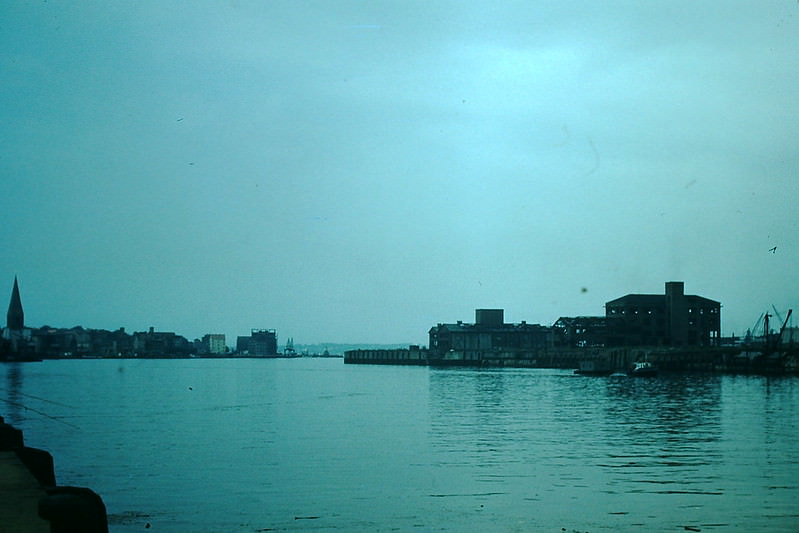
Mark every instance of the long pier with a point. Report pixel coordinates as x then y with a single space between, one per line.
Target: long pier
685 359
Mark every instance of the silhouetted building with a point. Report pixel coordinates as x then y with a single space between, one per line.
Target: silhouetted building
15 319
113 343
263 342
16 338
61 342
260 343
79 342
489 335
160 344
583 331
670 319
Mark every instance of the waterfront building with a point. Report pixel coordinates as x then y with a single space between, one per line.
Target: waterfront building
670 319
61 342
260 343
106 343
675 330
214 343
584 331
488 337
80 342
160 344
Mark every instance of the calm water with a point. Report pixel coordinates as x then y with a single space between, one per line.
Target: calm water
313 444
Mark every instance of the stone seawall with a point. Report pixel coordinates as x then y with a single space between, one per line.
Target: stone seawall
725 359
397 356
30 499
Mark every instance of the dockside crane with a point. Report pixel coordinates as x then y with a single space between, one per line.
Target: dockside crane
782 329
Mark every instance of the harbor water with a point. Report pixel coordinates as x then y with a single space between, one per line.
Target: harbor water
226 445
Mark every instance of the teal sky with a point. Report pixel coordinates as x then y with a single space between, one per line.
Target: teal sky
359 171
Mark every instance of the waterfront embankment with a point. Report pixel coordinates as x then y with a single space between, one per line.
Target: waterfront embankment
685 359
30 499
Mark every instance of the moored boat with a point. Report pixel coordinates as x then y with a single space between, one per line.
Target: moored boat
643 368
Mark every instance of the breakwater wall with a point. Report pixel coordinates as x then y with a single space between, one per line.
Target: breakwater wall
413 355
30 499
544 358
715 359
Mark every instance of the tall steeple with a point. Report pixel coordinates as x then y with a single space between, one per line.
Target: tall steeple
15 319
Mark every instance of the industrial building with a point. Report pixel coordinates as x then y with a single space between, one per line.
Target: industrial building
488 337
673 320
584 331
260 343
670 319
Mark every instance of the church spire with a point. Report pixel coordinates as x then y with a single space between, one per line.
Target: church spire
15 319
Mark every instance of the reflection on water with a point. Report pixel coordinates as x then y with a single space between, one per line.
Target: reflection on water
622 452
668 431
303 445
12 400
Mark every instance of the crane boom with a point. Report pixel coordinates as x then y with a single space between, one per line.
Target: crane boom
782 329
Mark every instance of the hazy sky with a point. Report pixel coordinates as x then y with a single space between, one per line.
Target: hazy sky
360 171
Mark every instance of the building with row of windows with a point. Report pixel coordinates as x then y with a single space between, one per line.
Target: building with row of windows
672 319
213 343
488 335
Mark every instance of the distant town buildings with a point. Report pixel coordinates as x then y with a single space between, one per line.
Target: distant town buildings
159 343
671 319
77 341
18 342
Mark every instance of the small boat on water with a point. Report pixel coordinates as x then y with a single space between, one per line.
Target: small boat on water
643 368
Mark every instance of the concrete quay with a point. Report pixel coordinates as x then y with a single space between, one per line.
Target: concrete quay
686 359
20 493
414 355
30 499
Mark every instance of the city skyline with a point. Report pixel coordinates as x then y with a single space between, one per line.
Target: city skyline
348 171
16 321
